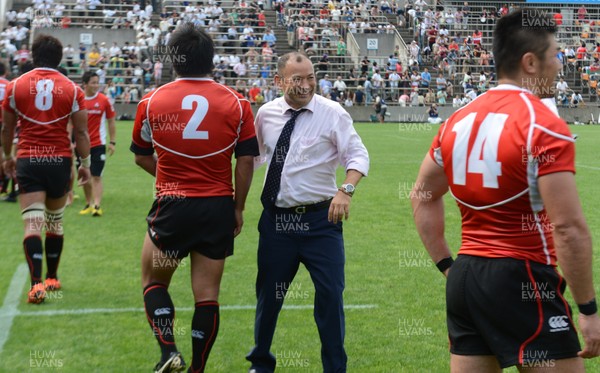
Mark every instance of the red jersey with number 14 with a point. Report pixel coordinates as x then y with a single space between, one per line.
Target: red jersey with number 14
99 110
493 151
194 125
43 100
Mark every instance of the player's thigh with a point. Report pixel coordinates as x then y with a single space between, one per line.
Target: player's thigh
474 363
155 266
56 203
28 199
206 276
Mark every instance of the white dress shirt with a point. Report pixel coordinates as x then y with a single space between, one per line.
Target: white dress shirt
323 138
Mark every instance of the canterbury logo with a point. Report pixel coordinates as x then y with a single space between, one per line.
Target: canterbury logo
558 323
198 334
162 311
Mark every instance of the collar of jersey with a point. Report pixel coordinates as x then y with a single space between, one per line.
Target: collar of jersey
509 87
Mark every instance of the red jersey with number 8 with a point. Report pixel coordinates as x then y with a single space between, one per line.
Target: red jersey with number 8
194 125
492 151
43 99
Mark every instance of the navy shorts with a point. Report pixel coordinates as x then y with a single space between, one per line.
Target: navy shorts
44 173
178 225
512 309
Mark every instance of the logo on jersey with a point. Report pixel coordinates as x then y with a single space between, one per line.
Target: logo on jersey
558 323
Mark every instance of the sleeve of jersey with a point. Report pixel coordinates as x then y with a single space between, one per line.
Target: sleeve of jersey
110 110
79 102
141 143
8 98
247 143
435 151
553 148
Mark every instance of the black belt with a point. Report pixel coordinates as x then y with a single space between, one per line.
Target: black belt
305 208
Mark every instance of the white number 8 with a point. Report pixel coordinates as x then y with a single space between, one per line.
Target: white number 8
43 98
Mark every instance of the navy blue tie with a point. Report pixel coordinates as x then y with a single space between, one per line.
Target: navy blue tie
273 181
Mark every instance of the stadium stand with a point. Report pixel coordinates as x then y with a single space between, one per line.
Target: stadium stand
411 53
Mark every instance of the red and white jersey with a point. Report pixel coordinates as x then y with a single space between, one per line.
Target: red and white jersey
99 110
194 125
3 84
493 151
43 100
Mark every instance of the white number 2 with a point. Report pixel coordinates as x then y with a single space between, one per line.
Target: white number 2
191 128
43 97
483 156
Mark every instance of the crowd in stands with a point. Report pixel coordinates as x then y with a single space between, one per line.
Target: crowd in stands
448 62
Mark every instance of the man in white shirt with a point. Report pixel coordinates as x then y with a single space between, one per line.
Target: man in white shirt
114 50
69 54
318 134
340 85
562 87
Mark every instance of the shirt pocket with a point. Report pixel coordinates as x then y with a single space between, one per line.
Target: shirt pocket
307 148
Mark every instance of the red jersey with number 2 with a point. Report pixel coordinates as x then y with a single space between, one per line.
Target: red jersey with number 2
493 151
43 100
194 125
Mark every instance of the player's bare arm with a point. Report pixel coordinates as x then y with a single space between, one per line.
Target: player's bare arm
428 209
8 133
340 205
112 134
244 170
573 249
82 144
147 163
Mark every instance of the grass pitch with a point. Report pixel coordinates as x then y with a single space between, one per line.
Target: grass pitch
395 295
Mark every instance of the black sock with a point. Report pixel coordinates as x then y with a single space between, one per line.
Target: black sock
34 255
53 246
161 317
4 188
205 327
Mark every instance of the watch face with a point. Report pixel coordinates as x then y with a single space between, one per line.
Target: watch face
349 188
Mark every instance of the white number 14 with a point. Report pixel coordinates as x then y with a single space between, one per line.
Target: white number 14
483 156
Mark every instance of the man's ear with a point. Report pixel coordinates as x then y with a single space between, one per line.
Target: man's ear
530 63
278 80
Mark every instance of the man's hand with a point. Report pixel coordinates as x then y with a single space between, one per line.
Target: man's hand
239 222
111 149
83 175
590 330
9 166
339 208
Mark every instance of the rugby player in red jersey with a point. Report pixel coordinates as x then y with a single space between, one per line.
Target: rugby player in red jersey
100 113
508 161
43 100
194 125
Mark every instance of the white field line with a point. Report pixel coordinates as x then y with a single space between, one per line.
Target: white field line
241 307
11 301
589 167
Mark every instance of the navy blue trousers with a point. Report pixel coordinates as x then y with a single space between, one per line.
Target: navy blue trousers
286 240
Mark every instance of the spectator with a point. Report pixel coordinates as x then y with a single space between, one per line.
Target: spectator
340 85
577 100
359 95
433 116
325 86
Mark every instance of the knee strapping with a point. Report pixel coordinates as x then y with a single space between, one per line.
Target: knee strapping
35 212
54 221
